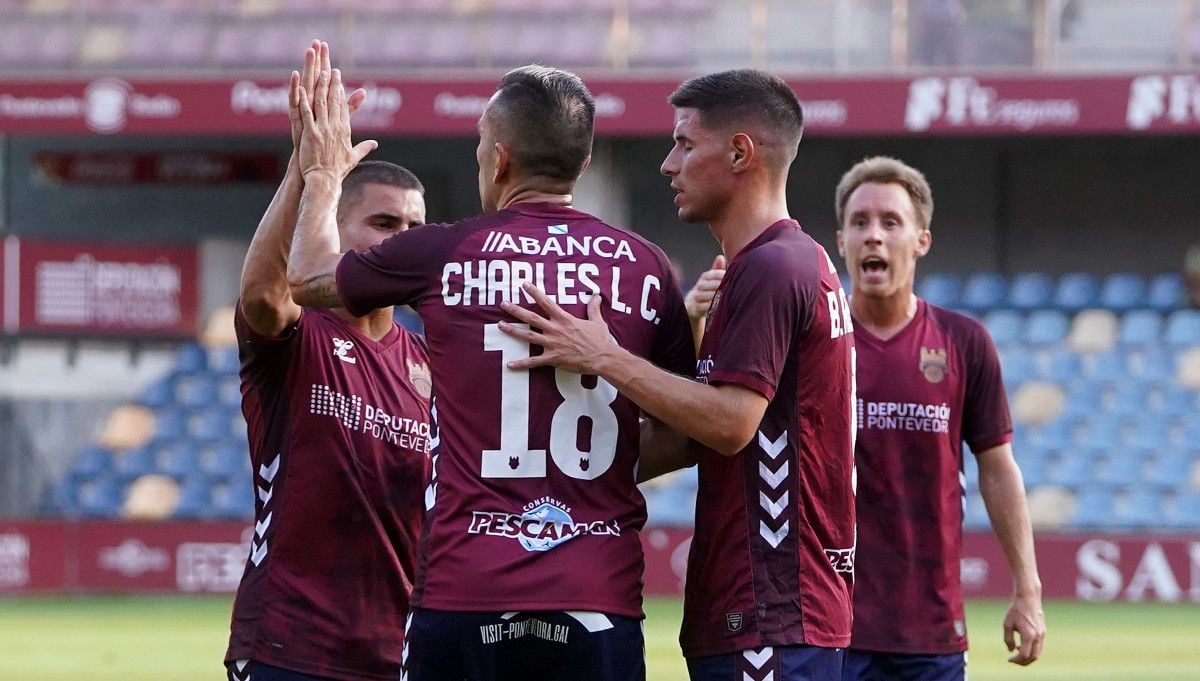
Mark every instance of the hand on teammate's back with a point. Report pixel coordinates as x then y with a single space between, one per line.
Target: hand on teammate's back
700 298
1025 619
324 118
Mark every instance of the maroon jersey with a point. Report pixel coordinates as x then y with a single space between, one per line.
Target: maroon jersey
773 554
339 444
532 503
921 394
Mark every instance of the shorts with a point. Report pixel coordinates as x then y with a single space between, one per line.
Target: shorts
249 670
519 646
779 663
864 665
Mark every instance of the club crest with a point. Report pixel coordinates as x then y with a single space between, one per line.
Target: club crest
933 364
418 375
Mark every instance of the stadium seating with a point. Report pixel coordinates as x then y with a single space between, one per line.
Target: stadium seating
1105 400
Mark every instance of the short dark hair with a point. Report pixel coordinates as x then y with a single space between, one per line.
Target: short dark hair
740 95
380 172
547 115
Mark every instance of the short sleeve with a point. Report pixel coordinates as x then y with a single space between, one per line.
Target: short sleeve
399 271
258 354
986 419
765 307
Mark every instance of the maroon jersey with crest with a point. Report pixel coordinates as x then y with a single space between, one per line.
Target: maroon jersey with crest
773 554
339 442
532 503
922 393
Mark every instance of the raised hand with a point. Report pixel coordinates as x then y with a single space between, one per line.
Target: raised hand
699 300
325 143
316 60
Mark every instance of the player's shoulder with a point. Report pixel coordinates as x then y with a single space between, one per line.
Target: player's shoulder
787 254
965 330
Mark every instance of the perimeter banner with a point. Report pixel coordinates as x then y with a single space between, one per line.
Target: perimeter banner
209 557
1149 103
105 289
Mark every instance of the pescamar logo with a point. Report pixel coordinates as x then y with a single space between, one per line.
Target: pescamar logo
544 524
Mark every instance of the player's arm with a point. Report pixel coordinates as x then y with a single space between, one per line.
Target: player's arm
1003 491
723 417
663 450
326 157
700 299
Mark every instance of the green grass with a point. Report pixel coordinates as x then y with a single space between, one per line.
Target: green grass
183 638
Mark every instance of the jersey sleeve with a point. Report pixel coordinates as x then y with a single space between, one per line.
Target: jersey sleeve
399 271
263 355
766 305
986 419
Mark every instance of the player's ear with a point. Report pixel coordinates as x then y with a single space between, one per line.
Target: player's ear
586 162
741 152
503 163
841 243
924 242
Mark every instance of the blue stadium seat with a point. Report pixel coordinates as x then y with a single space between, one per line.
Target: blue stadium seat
1140 328
671 505
195 391
1180 402
1121 469
1169 470
1150 431
975 515
1101 433
101 498
178 459
1094 508
224 361
1004 326
1126 398
1030 291
229 391
1155 367
1184 513
1034 468
1046 327
1018 365
169 424
195 498
92 462
233 500
134 464
1072 470
191 359
1166 292
209 425
1060 365
1123 291
940 289
158 394
1183 329
984 291
223 461
1052 436
1140 509
1108 367
62 498
1076 291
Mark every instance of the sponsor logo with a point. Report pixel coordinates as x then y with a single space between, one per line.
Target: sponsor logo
733 620
14 560
841 560
451 105
930 418
132 558
825 113
973 571
211 566
964 102
933 364
87 291
556 229
544 524
380 107
586 246
509 631
418 375
1170 99
341 350
359 416
105 106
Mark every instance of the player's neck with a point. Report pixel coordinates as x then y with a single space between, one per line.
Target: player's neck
745 217
884 316
523 193
376 324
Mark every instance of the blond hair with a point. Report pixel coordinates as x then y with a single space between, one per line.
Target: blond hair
886 170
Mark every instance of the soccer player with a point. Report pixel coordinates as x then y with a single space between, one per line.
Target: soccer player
928 380
531 559
338 414
768 581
